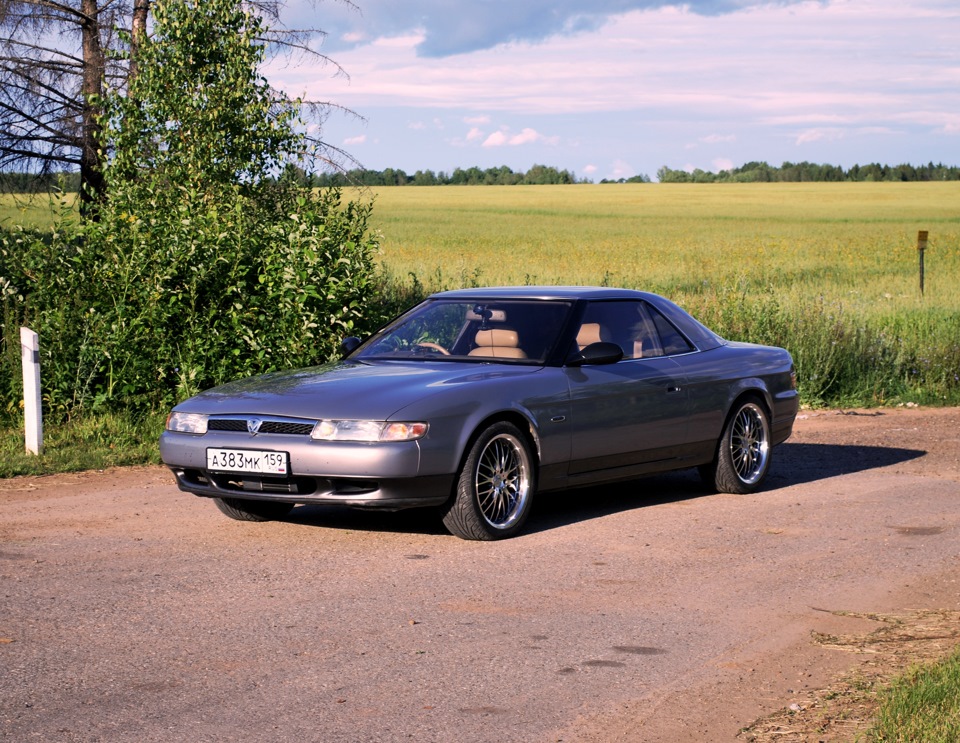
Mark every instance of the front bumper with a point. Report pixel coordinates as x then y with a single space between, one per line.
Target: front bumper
381 475
389 495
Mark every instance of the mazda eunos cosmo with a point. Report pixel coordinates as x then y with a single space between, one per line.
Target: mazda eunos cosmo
476 399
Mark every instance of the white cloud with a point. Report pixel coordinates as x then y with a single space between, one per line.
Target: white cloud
474 134
476 120
351 141
590 169
855 58
722 163
504 138
816 135
525 137
718 138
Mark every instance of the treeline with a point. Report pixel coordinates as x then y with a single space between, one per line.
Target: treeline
541 175
761 172
538 175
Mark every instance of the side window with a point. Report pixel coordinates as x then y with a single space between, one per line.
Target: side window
672 342
639 329
625 322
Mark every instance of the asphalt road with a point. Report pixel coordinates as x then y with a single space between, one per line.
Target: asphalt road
648 611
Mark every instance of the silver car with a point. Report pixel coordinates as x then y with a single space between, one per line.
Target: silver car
477 399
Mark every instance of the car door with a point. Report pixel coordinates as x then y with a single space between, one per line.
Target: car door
633 412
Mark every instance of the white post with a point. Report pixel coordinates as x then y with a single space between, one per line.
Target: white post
32 412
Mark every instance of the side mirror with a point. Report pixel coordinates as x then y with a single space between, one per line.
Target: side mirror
602 352
349 345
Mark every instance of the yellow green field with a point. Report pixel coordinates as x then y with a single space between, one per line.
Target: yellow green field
852 241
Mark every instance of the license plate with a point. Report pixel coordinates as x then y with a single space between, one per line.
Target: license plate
247 460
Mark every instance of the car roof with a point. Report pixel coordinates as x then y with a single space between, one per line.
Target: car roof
544 292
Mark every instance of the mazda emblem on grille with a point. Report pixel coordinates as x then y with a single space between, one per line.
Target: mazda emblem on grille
253 425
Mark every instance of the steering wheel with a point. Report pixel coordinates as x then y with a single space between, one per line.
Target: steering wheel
434 347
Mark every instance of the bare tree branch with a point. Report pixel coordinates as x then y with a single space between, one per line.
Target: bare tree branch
57 55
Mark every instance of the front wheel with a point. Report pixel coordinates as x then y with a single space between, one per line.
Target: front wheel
242 509
495 486
743 452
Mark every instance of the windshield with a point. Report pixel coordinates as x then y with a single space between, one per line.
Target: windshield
516 331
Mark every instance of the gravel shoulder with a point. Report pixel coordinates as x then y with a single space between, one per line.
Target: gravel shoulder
649 611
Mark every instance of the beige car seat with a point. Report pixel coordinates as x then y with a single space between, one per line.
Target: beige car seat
502 343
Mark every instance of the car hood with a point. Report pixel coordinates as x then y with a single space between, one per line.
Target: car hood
345 389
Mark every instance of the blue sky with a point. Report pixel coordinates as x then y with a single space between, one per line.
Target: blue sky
615 88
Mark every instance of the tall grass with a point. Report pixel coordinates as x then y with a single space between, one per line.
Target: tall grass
93 442
923 705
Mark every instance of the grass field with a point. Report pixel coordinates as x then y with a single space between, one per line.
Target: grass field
830 271
855 242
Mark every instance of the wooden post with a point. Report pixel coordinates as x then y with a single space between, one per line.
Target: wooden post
921 247
32 412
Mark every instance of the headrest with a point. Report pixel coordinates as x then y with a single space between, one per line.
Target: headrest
501 337
590 332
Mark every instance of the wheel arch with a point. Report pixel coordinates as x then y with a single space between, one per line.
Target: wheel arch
745 389
524 424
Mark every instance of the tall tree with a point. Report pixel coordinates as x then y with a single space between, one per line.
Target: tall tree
53 66
58 56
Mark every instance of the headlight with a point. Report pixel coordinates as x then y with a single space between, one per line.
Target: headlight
187 422
367 431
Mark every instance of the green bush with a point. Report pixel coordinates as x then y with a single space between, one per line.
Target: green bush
159 305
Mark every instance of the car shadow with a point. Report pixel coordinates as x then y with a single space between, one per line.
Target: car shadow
793 464
411 520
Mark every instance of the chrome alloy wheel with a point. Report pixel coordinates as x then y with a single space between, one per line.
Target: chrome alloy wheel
502 480
749 444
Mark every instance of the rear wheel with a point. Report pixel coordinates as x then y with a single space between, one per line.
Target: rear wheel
495 486
743 452
242 509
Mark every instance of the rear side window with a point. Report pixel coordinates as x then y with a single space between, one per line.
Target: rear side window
641 331
670 338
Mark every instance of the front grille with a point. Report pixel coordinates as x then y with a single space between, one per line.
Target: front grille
226 425
281 427
293 429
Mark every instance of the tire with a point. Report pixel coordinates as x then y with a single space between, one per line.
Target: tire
495 486
743 452
242 509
